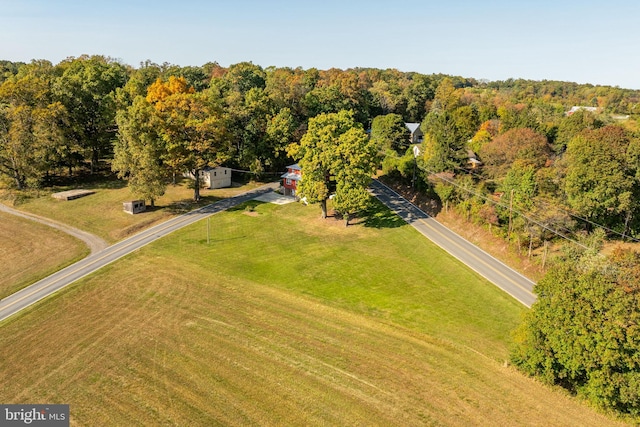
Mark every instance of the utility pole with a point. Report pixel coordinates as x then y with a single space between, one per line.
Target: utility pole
510 213
413 179
208 234
416 153
544 257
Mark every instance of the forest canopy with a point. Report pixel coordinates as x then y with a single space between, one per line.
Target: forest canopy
155 121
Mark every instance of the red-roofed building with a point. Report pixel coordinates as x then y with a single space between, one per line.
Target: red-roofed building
290 180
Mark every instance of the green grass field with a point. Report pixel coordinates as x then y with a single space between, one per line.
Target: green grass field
30 251
101 213
281 319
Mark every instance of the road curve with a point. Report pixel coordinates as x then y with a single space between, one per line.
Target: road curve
498 273
95 243
47 286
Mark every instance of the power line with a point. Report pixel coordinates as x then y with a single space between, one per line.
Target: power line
507 207
624 236
537 200
571 214
257 173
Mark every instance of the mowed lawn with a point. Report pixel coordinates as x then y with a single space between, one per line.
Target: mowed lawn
281 319
30 251
101 213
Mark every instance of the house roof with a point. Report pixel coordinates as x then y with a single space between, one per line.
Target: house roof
581 107
293 176
412 126
294 166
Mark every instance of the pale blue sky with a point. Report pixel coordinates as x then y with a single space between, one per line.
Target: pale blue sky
583 41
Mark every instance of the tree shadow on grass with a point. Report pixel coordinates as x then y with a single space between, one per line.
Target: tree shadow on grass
379 216
248 206
99 180
187 205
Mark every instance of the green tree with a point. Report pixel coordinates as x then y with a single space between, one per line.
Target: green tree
138 83
8 69
443 147
446 192
245 76
517 116
87 87
467 122
600 180
335 148
279 134
28 136
385 96
447 97
354 163
417 94
521 182
287 88
445 130
31 123
249 116
390 132
582 333
572 125
139 151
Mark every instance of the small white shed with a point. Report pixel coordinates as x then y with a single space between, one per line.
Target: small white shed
219 177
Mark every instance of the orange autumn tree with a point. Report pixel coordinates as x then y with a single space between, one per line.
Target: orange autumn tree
192 126
159 91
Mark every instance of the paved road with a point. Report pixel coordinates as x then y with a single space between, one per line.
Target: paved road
95 243
47 286
478 260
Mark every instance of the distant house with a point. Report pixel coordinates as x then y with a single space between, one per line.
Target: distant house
290 180
580 107
472 160
219 177
416 133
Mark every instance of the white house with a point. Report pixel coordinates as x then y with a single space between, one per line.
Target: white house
219 177
416 133
581 107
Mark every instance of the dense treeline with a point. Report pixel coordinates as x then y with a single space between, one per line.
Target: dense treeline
154 122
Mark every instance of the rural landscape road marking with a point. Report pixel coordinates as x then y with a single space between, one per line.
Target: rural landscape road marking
47 286
498 273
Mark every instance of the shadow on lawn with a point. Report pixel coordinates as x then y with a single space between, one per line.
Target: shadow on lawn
249 206
187 205
379 216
